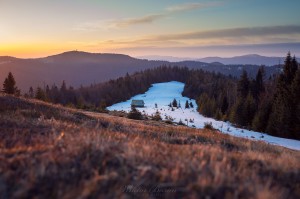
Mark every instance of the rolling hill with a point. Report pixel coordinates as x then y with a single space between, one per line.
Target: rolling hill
251 59
76 68
48 151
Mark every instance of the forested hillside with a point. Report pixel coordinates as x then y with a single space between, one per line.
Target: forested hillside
263 104
82 68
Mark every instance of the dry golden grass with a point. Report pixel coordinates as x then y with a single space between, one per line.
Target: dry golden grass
47 151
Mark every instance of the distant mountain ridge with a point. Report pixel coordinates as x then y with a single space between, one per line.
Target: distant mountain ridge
82 68
250 59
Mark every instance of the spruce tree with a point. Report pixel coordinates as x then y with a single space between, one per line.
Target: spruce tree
9 85
284 117
174 103
259 81
243 85
280 118
31 92
238 113
224 105
289 69
63 87
294 67
295 118
40 94
187 104
262 114
191 105
249 109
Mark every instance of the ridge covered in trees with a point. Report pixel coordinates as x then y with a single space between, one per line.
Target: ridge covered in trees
264 104
270 105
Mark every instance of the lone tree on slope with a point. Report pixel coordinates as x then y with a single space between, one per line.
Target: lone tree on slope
187 104
174 103
9 85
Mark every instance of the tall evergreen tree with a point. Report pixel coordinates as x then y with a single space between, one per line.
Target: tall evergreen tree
249 110
294 66
262 115
224 105
63 87
282 116
237 113
9 85
260 79
289 69
295 118
243 85
187 104
191 105
40 94
174 103
31 92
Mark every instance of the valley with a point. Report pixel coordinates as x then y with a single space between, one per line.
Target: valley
160 95
78 68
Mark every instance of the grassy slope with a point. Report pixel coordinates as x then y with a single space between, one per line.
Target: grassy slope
49 151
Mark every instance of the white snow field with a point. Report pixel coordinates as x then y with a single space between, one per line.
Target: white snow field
161 94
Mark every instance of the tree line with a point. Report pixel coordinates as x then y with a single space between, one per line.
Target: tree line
270 105
265 104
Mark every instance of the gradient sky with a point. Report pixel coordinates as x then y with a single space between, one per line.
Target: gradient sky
35 28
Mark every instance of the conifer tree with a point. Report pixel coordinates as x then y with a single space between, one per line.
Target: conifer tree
174 103
290 68
9 85
191 105
187 104
249 110
224 105
259 81
295 118
294 66
40 94
237 114
243 85
31 92
262 115
282 116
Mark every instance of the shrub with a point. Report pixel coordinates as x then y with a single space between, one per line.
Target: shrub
168 122
181 123
135 114
208 125
157 116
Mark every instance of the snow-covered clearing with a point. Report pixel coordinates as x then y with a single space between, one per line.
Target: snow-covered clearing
162 94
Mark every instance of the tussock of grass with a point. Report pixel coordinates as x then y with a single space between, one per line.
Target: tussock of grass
47 151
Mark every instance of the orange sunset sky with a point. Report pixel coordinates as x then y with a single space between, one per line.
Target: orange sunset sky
36 28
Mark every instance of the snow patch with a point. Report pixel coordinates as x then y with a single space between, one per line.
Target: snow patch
162 94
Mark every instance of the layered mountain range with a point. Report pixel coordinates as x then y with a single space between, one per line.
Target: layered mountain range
82 69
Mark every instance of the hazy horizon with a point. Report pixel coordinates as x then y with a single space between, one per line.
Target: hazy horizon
196 28
275 50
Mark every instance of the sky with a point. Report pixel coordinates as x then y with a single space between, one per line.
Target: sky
193 28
